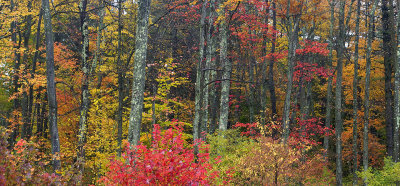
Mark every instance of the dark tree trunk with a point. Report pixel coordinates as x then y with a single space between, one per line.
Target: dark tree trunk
355 96
120 79
338 95
367 87
389 60
51 87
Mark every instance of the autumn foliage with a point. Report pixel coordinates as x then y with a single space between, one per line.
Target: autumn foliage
168 161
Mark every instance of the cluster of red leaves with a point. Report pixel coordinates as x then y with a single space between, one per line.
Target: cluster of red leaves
307 71
309 131
20 166
248 129
169 161
313 47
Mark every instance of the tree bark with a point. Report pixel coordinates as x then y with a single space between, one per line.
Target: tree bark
271 84
120 79
355 96
338 95
51 86
85 100
329 88
389 60
396 95
199 77
139 71
206 71
227 68
34 61
292 33
367 86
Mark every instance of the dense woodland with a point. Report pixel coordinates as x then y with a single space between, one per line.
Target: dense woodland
199 92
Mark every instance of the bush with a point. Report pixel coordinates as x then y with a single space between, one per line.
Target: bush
389 175
168 161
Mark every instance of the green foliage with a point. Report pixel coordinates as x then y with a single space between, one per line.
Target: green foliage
227 148
389 175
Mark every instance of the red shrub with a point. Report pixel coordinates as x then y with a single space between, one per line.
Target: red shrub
167 162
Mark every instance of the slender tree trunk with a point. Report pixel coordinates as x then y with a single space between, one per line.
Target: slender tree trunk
139 71
263 85
389 60
292 33
271 84
199 76
338 95
26 127
17 63
225 84
355 96
396 95
120 79
206 71
85 100
367 86
34 60
329 88
51 86
251 102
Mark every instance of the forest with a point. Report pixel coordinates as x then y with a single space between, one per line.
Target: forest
199 92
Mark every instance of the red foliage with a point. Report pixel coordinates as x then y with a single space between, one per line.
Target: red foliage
20 165
248 129
167 162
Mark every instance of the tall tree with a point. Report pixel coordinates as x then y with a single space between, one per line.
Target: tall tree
397 95
338 94
389 60
85 101
139 71
292 27
120 78
51 86
355 95
367 86
227 68
328 117
199 76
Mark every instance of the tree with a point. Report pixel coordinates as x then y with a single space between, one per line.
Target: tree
338 94
292 27
227 68
367 85
51 86
139 71
355 96
85 101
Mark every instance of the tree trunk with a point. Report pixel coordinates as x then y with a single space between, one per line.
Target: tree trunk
199 76
26 115
396 95
263 85
292 33
226 83
85 101
271 84
51 86
329 88
139 71
389 60
338 95
33 71
120 79
355 96
367 86
206 71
